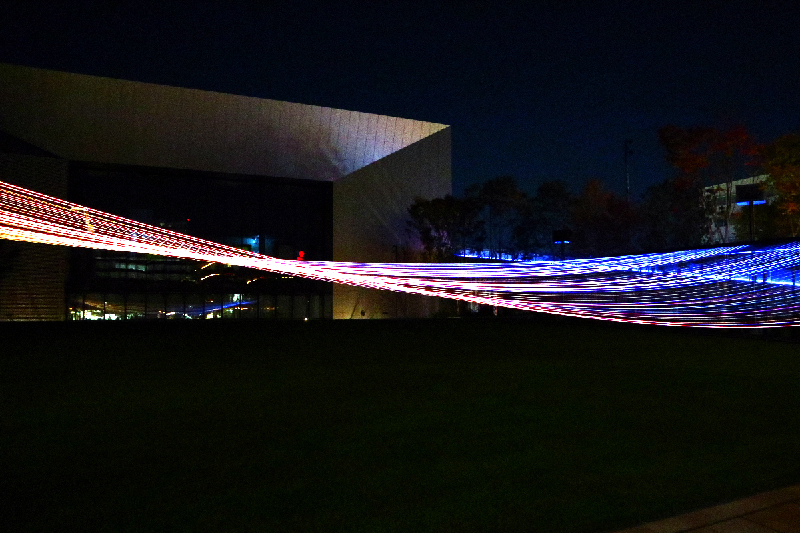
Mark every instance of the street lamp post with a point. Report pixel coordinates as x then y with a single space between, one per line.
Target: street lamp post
627 152
562 237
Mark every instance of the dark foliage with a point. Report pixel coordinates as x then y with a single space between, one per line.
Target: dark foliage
693 207
445 226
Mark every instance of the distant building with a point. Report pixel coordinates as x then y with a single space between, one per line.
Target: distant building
724 208
274 177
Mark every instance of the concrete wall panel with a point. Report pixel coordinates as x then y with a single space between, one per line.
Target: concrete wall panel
89 118
370 213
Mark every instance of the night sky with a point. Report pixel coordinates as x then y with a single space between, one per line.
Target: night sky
544 91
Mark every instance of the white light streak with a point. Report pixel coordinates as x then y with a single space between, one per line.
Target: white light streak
734 286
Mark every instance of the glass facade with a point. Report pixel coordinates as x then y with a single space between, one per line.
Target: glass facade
273 216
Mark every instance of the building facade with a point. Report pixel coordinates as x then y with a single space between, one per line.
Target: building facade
723 207
274 177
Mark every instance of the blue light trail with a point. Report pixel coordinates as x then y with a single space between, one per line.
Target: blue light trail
737 286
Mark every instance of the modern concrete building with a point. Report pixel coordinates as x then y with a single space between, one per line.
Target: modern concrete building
722 200
271 176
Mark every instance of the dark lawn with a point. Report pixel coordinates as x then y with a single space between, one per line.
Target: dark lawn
441 425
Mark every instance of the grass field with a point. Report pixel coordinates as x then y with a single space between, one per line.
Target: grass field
441 425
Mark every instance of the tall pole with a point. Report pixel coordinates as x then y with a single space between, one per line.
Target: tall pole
626 153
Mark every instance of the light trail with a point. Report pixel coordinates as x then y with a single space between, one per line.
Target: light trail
735 286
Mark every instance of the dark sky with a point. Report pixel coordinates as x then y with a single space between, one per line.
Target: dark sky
541 90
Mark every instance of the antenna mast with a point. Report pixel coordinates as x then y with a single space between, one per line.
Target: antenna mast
627 152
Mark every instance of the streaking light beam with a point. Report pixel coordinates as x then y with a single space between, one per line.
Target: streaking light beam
734 286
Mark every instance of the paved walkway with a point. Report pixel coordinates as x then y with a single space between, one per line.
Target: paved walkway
777 510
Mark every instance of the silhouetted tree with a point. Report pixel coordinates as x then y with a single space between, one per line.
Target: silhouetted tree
672 217
708 157
525 236
733 156
539 216
781 161
553 203
445 226
502 205
603 224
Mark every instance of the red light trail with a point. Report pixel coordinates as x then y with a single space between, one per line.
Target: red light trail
735 286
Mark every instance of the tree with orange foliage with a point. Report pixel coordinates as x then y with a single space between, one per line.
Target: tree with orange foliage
782 164
706 157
